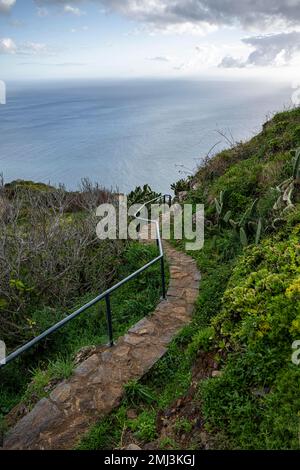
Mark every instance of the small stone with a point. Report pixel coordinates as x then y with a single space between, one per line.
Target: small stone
142 327
151 446
133 339
84 353
87 366
131 414
217 373
61 393
133 447
143 331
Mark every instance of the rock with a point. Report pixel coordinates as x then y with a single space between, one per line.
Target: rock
87 366
27 432
131 414
133 447
143 327
84 353
16 414
217 373
151 446
61 393
133 339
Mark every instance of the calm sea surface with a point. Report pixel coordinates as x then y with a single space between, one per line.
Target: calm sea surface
128 133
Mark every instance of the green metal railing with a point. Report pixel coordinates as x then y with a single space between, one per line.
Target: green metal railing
105 295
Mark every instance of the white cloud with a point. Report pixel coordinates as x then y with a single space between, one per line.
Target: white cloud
159 59
229 62
6 5
33 48
197 16
73 10
247 13
270 50
7 46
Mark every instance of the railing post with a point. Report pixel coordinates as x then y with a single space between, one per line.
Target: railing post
138 227
163 277
109 321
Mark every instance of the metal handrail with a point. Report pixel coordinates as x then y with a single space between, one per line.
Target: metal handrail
105 295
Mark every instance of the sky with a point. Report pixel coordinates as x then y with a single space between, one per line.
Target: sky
63 39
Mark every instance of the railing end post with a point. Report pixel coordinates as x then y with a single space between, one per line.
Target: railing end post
163 278
109 321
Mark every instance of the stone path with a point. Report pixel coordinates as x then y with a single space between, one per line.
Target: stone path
97 385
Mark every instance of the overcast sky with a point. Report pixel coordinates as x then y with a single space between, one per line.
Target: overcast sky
154 38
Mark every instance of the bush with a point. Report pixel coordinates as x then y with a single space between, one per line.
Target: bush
257 325
201 341
144 427
48 257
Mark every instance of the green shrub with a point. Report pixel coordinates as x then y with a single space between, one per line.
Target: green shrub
201 341
257 325
144 426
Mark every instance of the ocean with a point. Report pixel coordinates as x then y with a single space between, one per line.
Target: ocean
127 133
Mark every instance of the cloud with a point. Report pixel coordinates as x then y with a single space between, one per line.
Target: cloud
159 59
198 15
229 62
42 12
8 46
33 48
248 13
76 30
66 6
269 50
60 64
73 10
6 5
16 23
275 49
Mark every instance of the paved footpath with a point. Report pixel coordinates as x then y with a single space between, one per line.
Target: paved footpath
97 384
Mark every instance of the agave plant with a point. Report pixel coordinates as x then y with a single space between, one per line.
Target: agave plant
220 208
142 194
286 189
245 223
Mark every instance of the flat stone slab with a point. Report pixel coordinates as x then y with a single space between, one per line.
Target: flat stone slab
97 384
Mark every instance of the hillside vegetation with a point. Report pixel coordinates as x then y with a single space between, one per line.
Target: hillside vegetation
51 263
228 381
